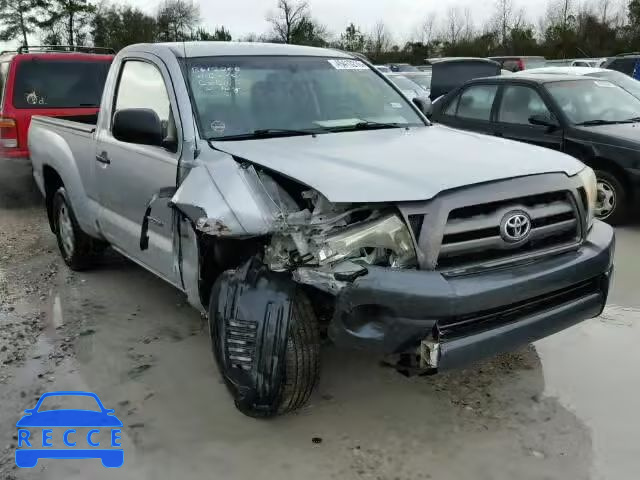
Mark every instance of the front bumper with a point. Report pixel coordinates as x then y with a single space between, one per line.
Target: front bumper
464 318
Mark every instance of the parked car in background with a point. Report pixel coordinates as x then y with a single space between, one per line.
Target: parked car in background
517 64
450 73
408 87
424 68
402 67
588 62
47 81
626 63
590 119
421 78
624 81
288 190
382 68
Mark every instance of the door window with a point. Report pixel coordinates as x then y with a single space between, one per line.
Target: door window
519 103
624 65
476 102
142 86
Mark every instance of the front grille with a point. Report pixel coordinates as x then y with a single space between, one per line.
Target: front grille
480 321
472 234
240 343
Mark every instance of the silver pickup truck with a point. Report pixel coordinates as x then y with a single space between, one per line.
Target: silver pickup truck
293 192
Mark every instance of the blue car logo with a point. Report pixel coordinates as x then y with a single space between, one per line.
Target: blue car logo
29 451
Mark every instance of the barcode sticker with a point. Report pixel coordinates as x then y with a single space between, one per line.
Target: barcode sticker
344 64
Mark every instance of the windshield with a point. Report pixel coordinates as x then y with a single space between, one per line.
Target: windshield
59 83
236 96
625 81
585 101
403 83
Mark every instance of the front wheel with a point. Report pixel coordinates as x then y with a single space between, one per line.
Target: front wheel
265 380
78 250
612 201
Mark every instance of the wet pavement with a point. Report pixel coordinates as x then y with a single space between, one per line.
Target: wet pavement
565 408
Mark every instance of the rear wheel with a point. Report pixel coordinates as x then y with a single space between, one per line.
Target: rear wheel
612 202
79 251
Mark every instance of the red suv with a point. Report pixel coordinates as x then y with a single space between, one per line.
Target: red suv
46 81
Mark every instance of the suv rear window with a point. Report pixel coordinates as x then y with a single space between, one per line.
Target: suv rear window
59 83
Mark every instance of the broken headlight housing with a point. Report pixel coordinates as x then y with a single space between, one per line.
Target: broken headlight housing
385 237
590 185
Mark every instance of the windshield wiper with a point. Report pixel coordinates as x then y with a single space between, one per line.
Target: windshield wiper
265 133
366 125
591 123
632 120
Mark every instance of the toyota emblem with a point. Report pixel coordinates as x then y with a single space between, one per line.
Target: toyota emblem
515 227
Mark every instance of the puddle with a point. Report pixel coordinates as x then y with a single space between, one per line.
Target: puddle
592 369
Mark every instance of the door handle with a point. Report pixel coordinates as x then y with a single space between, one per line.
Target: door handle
103 158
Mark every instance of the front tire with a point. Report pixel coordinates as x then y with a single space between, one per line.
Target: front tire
300 362
613 199
79 251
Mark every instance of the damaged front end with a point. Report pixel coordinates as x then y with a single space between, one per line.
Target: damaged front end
329 245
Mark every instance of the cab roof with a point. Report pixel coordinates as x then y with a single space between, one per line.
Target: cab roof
217 49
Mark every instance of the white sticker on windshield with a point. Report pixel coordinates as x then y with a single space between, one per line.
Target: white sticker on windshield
344 64
602 83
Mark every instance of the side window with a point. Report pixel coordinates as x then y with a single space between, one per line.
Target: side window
142 86
624 65
452 107
519 103
476 102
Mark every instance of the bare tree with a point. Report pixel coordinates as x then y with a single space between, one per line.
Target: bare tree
504 18
427 29
379 39
288 19
453 25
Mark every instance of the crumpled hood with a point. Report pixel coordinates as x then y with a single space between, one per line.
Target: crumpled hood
396 165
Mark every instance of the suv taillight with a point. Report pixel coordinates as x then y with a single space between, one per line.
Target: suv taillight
8 133
521 65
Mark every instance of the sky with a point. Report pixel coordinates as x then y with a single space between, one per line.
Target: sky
401 16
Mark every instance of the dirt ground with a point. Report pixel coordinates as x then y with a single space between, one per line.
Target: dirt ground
564 408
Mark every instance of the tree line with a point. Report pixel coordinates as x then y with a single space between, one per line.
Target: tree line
569 29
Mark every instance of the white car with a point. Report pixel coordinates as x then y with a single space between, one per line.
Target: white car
623 81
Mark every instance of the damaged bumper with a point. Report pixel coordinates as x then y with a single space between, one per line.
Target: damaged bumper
450 321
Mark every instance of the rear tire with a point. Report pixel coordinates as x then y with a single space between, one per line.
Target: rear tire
613 199
79 251
301 366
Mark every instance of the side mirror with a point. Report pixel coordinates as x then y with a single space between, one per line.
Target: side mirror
548 121
138 125
424 104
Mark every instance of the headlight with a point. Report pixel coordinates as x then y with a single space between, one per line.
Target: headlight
590 183
387 233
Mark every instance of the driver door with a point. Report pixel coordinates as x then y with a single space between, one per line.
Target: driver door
129 174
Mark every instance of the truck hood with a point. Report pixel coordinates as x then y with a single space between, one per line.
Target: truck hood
397 165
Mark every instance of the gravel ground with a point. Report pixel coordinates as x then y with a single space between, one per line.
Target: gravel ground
562 409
